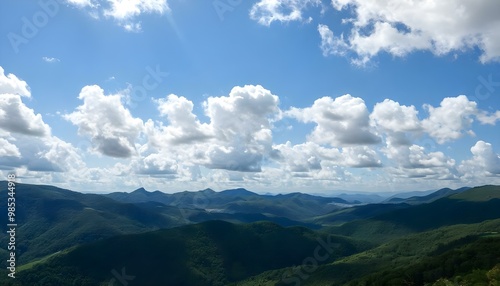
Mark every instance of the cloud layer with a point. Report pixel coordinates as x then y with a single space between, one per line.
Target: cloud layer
234 143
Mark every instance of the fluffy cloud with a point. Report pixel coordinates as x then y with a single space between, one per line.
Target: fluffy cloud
453 117
234 158
16 117
484 161
245 115
25 139
11 84
304 157
184 127
396 121
233 144
343 121
268 11
392 116
237 138
241 124
483 152
7 149
312 158
155 164
47 154
109 125
414 162
361 157
400 27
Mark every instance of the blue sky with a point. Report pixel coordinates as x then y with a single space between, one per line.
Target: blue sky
270 95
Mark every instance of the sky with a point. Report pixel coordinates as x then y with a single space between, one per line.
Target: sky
274 96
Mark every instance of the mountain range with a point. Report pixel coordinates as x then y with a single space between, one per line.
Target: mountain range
243 238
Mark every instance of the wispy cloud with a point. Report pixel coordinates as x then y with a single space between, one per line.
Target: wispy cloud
123 11
51 60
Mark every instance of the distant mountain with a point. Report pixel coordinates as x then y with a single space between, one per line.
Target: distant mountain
471 206
445 192
406 195
361 198
210 253
295 206
371 210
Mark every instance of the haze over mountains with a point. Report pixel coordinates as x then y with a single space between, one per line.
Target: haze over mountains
237 236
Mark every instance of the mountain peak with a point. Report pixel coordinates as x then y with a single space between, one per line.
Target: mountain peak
238 192
140 190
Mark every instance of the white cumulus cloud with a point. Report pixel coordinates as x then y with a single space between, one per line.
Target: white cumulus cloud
109 125
343 121
392 116
484 161
416 162
183 127
401 27
16 117
7 149
454 117
237 137
11 84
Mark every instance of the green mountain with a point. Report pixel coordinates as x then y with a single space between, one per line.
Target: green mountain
422 199
479 194
442 212
209 253
295 206
355 213
69 238
51 219
415 259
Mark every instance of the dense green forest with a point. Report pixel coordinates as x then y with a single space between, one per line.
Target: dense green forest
449 238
